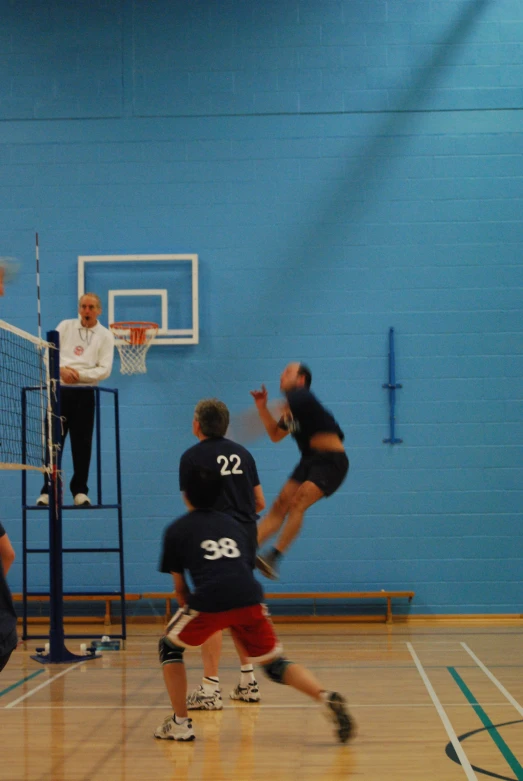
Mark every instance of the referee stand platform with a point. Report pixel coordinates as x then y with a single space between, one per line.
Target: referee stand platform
58 653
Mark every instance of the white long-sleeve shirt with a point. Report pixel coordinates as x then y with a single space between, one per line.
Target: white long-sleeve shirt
88 350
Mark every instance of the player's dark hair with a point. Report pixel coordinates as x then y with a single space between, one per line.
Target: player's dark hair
304 371
203 487
213 417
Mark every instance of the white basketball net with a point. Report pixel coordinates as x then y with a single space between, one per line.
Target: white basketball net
133 340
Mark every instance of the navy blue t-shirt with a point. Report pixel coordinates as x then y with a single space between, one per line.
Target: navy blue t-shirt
8 636
214 548
308 417
237 468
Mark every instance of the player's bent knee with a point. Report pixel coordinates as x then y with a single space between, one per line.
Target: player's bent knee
302 501
280 507
275 669
169 653
283 500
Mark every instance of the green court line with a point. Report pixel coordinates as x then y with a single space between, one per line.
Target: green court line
19 683
491 729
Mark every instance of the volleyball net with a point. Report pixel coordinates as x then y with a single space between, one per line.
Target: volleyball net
26 391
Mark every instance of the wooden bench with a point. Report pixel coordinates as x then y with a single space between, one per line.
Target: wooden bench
107 598
335 595
311 595
168 596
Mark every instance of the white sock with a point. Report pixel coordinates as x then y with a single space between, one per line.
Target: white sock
180 719
246 675
210 685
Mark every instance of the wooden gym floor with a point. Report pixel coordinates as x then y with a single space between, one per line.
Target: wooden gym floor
432 703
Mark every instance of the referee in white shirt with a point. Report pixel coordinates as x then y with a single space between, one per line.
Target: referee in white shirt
86 358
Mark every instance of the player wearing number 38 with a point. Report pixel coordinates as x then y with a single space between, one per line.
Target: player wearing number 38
211 546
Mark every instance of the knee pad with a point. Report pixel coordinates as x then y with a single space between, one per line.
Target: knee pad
169 653
276 669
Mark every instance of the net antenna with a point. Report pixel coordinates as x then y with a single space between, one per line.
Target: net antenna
43 371
37 258
133 339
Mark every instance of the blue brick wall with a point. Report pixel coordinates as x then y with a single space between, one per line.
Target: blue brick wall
340 167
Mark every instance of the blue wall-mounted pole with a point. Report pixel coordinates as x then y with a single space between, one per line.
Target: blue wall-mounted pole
392 386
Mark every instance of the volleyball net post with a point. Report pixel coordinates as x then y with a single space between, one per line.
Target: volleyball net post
58 653
31 439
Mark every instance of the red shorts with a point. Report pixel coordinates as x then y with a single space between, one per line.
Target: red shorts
251 625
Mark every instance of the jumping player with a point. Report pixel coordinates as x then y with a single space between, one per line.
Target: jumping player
242 498
215 550
322 468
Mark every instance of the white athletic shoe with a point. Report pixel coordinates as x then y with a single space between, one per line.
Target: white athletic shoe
170 730
198 700
336 711
82 500
249 693
43 500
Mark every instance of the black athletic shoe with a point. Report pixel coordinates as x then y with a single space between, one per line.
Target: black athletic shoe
266 564
336 711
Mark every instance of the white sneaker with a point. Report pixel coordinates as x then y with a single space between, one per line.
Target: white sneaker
43 500
198 700
82 500
170 730
249 693
336 711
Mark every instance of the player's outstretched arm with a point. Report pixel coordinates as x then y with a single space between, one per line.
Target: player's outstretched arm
181 588
259 498
271 424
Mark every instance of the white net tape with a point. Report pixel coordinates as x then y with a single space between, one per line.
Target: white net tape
133 340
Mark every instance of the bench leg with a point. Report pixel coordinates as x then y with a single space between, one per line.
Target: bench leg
167 610
107 617
389 610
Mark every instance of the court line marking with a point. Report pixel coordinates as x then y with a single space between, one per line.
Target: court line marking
297 706
42 686
492 732
494 680
135 644
19 683
465 764
289 640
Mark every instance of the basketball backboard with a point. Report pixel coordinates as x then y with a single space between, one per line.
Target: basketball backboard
158 288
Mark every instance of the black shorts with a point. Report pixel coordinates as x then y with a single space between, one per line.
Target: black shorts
4 659
327 470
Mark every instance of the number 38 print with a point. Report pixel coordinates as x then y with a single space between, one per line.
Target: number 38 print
223 547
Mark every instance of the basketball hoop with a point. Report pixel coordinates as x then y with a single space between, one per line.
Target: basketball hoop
133 338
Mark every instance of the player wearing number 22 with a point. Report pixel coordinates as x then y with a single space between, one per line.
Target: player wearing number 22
242 498
215 550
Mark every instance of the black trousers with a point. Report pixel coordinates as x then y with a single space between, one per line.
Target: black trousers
77 407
